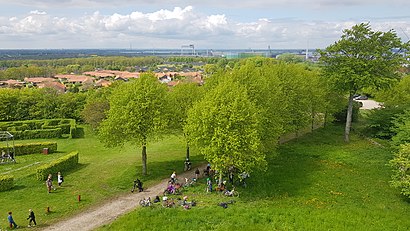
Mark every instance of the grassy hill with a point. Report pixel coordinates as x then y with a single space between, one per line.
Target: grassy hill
317 182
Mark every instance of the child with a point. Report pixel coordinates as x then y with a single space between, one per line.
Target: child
209 183
11 221
49 184
60 179
32 218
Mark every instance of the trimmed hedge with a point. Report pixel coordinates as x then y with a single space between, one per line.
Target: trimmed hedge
76 132
64 163
37 134
6 182
38 129
32 148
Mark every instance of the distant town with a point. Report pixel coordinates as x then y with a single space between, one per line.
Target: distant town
10 54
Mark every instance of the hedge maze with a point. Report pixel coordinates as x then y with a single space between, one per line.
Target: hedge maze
43 129
40 129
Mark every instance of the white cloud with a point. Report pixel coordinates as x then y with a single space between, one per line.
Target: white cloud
167 28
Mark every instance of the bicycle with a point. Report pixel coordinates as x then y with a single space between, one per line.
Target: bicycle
231 193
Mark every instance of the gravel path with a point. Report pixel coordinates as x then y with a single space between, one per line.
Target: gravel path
108 212
369 104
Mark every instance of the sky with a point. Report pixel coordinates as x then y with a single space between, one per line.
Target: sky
207 24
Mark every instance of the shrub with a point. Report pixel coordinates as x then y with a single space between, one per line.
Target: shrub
76 132
379 122
6 182
32 148
64 163
42 134
401 170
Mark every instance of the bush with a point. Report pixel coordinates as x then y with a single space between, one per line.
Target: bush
42 134
32 148
401 170
76 132
6 182
379 122
64 163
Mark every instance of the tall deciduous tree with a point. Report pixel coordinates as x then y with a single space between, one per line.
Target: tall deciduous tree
226 126
137 112
182 98
361 59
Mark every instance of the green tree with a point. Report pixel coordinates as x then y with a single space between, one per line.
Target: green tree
226 126
182 98
96 106
361 59
137 112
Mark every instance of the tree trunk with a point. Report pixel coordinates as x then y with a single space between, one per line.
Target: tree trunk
144 159
220 179
187 151
313 122
349 118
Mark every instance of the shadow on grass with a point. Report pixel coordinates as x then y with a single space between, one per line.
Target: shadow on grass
287 175
289 170
19 187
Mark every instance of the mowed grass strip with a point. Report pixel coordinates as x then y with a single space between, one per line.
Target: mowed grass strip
316 182
103 174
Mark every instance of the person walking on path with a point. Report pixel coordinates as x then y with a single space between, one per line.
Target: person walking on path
11 221
32 218
173 178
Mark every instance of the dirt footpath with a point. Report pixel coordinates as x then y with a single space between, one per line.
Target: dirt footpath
107 213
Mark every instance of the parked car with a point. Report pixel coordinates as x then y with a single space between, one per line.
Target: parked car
360 97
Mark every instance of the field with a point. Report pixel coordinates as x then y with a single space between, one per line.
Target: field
103 174
314 183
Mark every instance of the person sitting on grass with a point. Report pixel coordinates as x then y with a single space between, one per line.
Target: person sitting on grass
170 189
221 186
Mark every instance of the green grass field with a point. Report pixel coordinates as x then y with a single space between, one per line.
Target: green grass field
103 173
314 183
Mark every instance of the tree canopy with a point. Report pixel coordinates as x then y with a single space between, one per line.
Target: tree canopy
361 59
226 127
137 112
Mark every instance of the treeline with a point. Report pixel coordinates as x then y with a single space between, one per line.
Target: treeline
234 119
34 103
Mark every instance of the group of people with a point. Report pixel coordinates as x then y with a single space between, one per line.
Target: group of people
31 219
49 181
